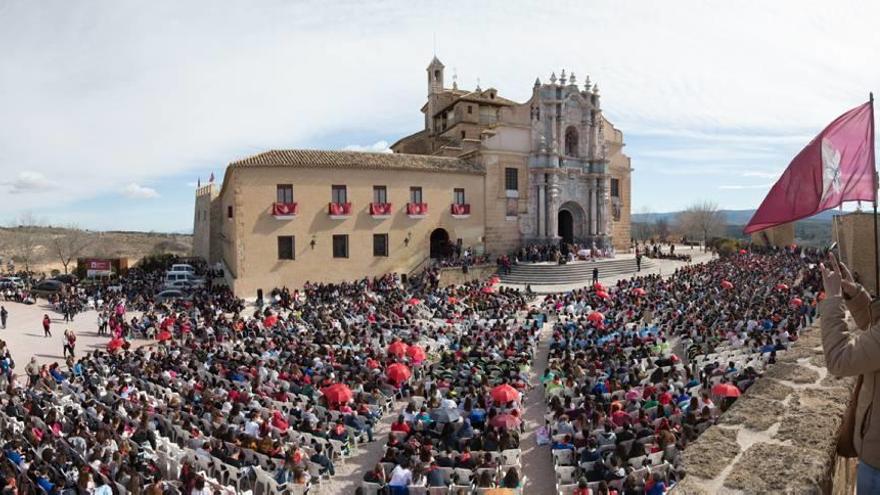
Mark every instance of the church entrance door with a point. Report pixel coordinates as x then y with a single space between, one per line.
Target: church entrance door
565 226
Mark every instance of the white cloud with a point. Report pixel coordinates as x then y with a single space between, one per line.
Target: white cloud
137 191
164 88
29 181
377 147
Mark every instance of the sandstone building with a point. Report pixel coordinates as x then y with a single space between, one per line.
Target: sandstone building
485 173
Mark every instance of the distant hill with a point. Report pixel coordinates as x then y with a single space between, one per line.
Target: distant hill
734 217
111 244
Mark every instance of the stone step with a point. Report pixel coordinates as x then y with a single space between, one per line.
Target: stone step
548 274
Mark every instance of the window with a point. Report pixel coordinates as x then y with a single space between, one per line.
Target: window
340 246
229 211
511 179
284 193
470 109
285 247
339 194
571 141
415 194
463 134
615 188
380 194
458 196
436 74
380 244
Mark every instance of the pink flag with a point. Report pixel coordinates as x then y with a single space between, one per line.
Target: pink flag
837 166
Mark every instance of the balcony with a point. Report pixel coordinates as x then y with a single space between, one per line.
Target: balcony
380 210
417 210
285 211
460 210
339 211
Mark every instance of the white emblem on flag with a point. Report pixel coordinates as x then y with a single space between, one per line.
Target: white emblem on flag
830 169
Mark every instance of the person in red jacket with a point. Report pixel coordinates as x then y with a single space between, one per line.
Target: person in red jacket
46 322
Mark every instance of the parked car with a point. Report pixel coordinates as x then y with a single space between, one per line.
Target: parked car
182 267
47 288
66 278
170 295
184 285
11 281
172 277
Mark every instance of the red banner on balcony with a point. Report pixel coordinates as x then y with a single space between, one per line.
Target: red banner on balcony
284 209
380 209
417 208
340 209
461 209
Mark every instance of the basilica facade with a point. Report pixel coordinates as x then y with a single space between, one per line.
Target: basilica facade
558 145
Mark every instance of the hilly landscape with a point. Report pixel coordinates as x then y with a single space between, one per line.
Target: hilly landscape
812 231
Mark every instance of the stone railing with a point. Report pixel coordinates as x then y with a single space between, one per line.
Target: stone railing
780 436
454 275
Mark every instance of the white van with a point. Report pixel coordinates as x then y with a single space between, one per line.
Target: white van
182 268
172 277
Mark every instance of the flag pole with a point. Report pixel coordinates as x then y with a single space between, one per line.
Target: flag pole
876 237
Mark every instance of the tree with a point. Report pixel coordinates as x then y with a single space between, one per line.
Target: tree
661 228
701 220
641 231
23 241
69 245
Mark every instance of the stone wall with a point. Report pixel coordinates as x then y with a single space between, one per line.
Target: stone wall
780 436
455 276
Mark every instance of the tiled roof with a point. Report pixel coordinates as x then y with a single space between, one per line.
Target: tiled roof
358 160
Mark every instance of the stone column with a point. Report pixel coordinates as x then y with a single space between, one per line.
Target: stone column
592 207
603 208
553 208
541 223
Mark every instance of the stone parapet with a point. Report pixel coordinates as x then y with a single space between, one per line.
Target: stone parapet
780 436
456 276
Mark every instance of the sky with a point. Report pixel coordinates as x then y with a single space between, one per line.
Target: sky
111 111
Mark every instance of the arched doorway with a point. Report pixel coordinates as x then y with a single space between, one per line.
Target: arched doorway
440 243
565 226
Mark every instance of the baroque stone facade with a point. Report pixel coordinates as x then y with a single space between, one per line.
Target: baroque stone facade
555 167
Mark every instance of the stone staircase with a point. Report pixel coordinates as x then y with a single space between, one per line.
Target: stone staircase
571 273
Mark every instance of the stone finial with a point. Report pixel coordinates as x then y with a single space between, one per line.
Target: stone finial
537 81
587 84
552 78
562 78
572 79
596 89
478 85
454 78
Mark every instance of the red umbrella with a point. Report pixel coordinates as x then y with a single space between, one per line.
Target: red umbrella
397 348
599 287
494 280
115 344
338 393
742 251
164 335
781 287
596 317
413 301
488 289
508 421
797 302
726 284
504 393
602 294
725 390
398 373
639 292
416 353
453 300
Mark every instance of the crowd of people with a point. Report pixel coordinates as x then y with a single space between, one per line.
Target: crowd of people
275 395
634 373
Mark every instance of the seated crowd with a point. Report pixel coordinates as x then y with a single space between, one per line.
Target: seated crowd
622 402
